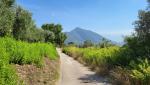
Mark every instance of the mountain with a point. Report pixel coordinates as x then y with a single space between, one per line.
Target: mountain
79 35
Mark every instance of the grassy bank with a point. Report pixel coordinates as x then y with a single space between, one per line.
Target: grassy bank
18 52
100 60
116 62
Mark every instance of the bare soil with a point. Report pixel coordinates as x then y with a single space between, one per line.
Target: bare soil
46 75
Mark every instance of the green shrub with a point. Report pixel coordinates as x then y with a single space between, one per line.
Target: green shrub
7 74
27 53
99 59
140 72
18 52
117 60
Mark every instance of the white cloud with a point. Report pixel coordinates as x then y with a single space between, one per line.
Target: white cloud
117 32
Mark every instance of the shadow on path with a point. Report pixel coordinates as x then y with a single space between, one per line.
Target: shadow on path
92 78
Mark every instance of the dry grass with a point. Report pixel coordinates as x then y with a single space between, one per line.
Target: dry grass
47 75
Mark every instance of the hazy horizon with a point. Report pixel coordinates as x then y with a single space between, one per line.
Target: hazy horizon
111 19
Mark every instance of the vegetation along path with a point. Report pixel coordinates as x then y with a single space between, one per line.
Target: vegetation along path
74 73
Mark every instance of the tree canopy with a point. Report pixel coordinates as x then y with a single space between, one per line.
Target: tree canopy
59 36
6 17
139 42
17 22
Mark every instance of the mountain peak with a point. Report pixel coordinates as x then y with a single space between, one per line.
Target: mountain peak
79 35
77 29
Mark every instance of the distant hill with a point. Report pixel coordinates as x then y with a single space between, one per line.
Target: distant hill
79 35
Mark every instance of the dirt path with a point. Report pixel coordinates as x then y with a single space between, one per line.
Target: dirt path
74 73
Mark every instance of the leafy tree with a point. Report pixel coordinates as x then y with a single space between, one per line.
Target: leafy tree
87 43
17 22
139 42
7 3
49 36
57 29
6 17
59 36
49 27
62 38
36 35
105 43
71 43
23 25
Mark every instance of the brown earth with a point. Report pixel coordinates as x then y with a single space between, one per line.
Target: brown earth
46 75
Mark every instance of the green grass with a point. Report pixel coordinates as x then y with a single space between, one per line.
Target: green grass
99 59
18 52
118 60
27 53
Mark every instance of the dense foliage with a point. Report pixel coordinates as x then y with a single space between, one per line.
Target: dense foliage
26 53
103 59
23 25
18 52
6 17
21 42
107 60
18 23
7 73
139 41
59 36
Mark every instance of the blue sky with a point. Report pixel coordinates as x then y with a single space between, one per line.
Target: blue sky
110 18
